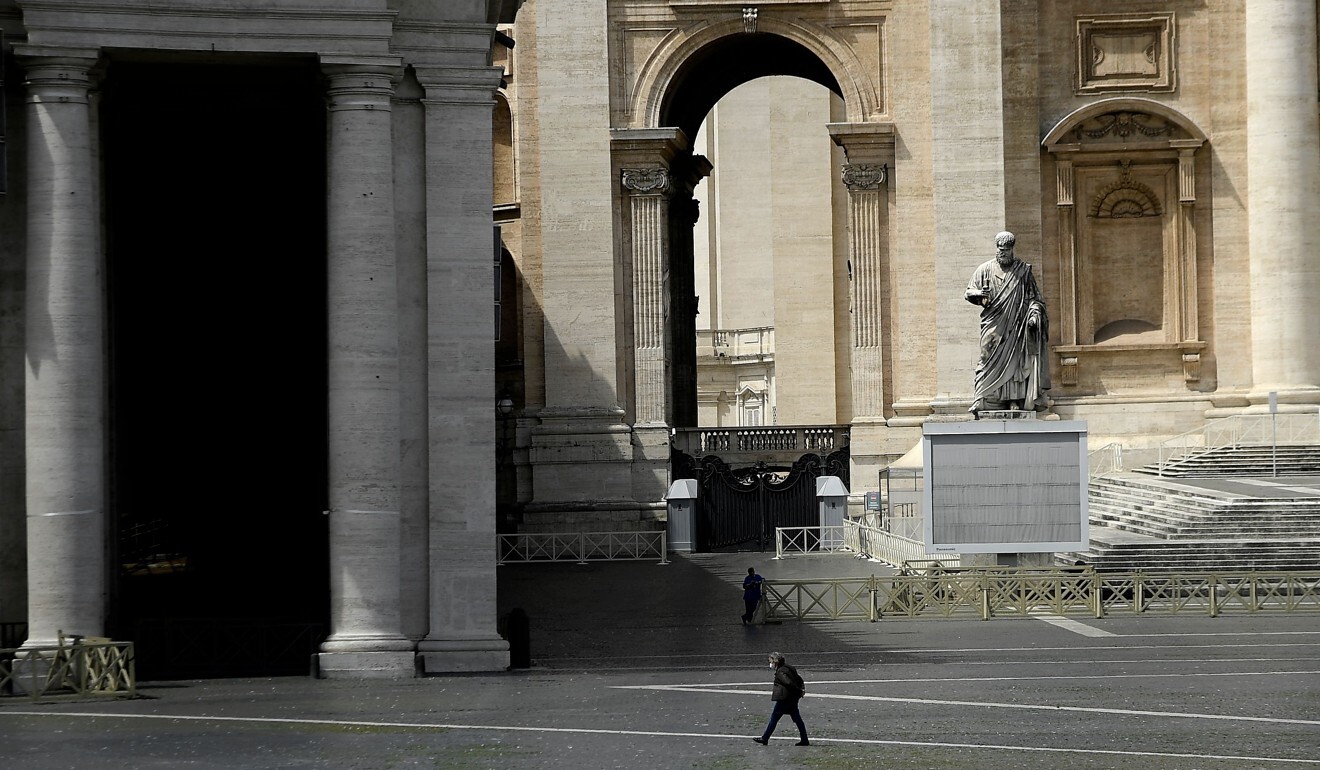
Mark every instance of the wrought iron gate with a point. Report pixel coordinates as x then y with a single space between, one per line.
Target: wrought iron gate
739 508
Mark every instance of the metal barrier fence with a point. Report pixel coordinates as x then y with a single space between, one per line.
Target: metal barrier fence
827 539
895 540
82 668
1011 592
582 547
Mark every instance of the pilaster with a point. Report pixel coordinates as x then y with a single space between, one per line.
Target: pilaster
869 152
968 176
65 345
462 633
657 179
409 122
365 634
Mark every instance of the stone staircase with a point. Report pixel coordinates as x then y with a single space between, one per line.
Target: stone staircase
1242 461
1143 522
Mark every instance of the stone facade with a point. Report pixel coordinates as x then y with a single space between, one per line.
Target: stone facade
1139 156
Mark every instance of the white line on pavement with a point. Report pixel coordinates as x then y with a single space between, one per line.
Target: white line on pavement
653 733
932 680
927 651
1068 624
993 704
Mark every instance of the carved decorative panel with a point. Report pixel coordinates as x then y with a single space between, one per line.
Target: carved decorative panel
1126 52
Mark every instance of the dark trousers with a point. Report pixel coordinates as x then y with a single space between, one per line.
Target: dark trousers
782 707
751 609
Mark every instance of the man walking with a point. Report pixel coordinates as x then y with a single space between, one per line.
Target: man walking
751 594
789 689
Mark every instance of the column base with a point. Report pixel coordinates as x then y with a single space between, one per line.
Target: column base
446 656
367 665
366 658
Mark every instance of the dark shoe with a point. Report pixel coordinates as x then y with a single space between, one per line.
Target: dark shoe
762 741
802 743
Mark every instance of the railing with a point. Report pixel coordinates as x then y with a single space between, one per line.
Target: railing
582 547
827 539
81 668
1008 592
749 342
796 439
891 539
1241 430
1105 460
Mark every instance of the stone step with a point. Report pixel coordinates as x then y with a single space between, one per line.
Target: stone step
1140 522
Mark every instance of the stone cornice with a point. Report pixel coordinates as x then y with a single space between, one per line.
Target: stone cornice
440 44
199 27
458 85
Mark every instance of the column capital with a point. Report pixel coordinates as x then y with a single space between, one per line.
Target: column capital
57 75
645 181
865 176
361 82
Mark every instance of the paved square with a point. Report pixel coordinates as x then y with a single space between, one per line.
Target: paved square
643 665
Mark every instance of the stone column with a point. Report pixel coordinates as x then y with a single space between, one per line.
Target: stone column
365 631
869 152
65 345
1283 179
459 105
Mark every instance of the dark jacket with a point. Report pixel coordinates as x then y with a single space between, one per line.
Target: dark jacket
788 684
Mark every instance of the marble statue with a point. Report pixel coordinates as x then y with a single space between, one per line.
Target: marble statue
1013 371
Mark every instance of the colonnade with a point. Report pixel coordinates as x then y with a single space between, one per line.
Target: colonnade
397 355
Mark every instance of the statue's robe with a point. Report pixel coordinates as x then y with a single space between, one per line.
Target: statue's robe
1014 363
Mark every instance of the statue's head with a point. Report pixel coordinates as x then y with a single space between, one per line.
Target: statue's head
1004 247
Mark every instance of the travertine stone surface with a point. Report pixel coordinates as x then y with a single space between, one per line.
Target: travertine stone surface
65 389
364 373
1283 176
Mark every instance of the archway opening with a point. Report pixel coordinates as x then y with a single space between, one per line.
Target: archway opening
769 273
772 324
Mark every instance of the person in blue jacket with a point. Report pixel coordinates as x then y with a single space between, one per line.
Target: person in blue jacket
751 594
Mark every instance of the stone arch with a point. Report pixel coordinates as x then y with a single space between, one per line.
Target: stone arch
658 76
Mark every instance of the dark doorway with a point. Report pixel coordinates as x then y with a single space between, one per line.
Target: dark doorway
215 202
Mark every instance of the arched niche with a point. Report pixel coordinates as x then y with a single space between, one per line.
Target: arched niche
1125 173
